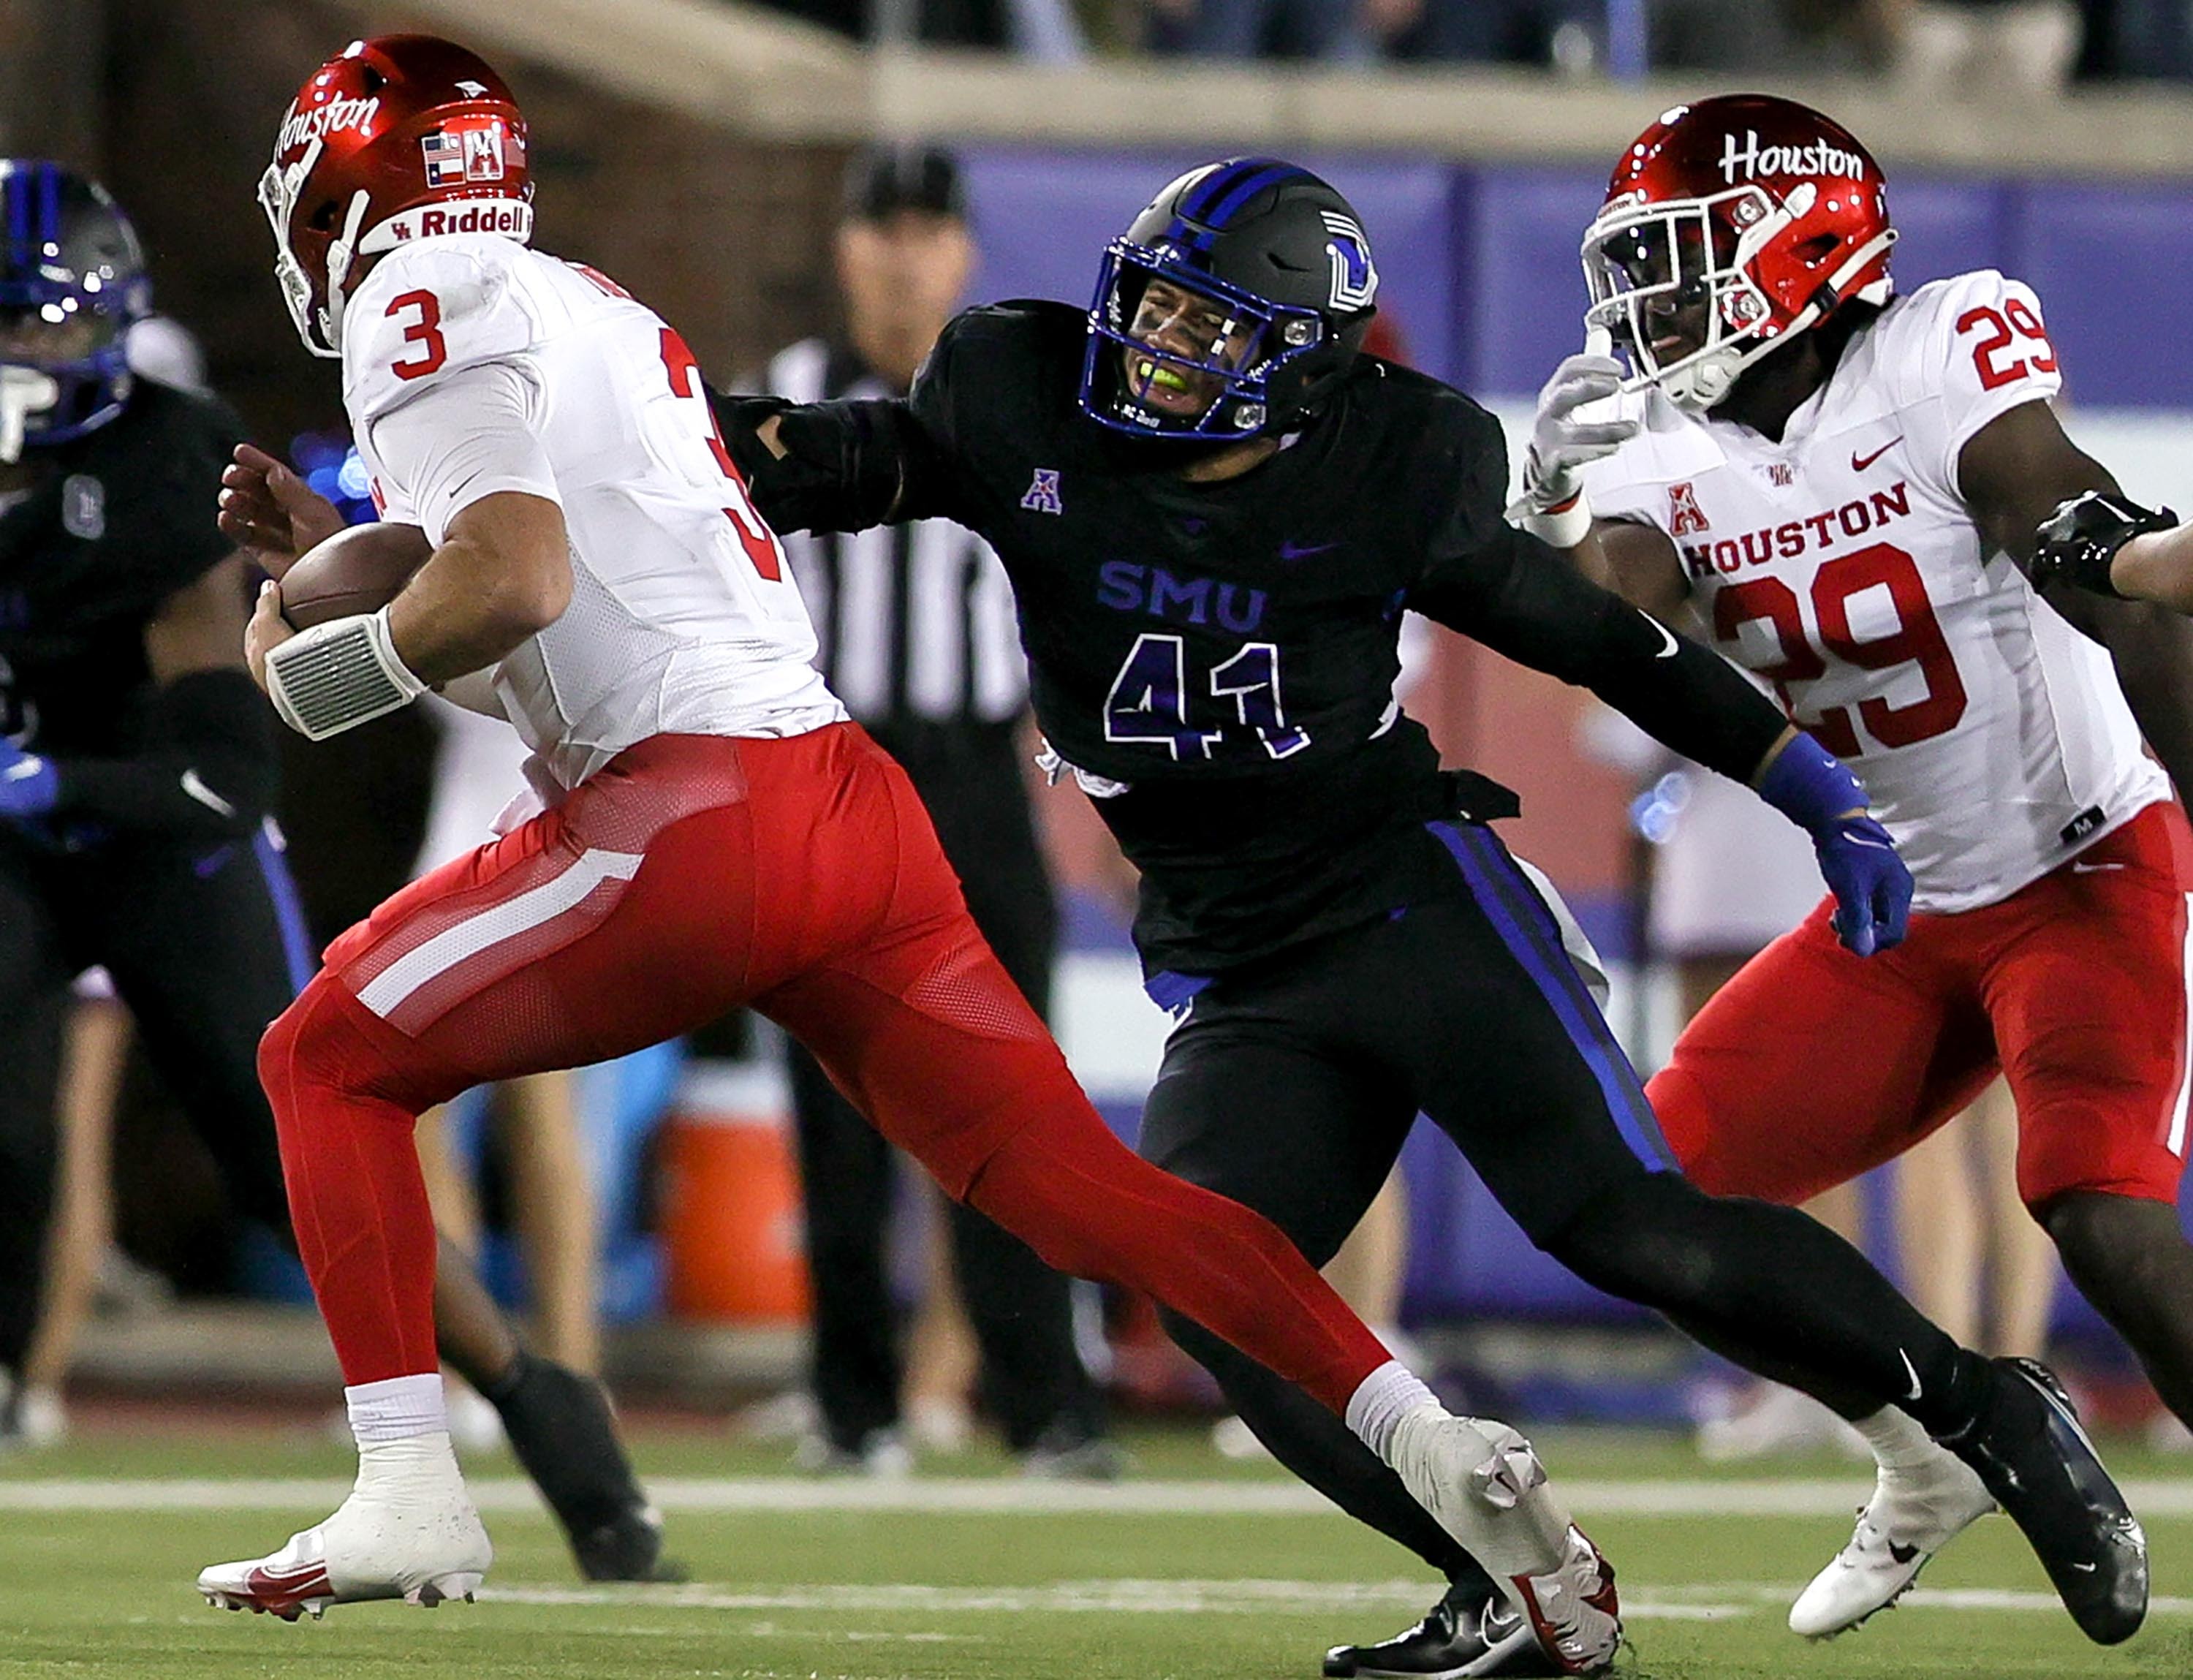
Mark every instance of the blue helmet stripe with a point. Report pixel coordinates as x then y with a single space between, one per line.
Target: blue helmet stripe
1271 175
1196 207
1193 235
49 205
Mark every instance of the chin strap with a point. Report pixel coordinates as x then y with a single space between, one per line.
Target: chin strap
340 255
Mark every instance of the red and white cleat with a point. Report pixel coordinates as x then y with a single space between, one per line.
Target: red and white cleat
1573 1609
417 1538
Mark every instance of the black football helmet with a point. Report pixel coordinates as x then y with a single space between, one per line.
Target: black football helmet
1232 306
71 285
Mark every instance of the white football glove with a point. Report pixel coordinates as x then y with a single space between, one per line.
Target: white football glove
1553 506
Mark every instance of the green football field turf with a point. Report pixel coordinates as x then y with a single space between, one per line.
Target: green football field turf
969 1576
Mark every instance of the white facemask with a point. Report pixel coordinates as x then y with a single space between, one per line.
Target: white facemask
24 391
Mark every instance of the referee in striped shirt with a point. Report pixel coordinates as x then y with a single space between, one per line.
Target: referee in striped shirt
919 640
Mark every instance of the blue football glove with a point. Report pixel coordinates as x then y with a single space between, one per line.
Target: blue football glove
30 787
1872 887
1816 790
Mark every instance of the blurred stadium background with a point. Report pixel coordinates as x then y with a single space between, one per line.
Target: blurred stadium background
693 148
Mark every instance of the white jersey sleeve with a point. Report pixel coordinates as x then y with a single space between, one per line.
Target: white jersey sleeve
1964 352
426 312
465 435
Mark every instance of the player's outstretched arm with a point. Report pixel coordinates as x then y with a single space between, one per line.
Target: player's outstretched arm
1523 600
835 466
2015 475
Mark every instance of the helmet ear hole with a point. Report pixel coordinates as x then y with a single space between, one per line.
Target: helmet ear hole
323 219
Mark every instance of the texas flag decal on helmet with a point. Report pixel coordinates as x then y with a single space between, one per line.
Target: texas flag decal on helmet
462 151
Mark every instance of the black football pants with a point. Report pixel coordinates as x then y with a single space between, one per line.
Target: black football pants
1020 1310
1290 1087
206 945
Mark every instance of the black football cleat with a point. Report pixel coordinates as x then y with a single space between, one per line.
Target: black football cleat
2028 1449
1472 1631
561 1429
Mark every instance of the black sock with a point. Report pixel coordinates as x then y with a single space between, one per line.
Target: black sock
505 1387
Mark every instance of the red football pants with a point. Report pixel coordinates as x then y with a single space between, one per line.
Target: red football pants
1813 1065
693 874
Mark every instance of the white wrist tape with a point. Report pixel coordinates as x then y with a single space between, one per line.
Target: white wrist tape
339 675
1563 525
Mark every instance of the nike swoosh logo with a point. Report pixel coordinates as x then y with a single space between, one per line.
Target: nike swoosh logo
298 1583
1302 551
1910 1371
1860 462
23 769
2086 1568
1670 646
204 795
2093 869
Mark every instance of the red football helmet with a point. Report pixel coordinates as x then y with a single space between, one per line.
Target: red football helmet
380 137
1728 225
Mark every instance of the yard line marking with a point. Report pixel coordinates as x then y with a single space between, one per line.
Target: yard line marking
1714 1601
1106 1598
997 1496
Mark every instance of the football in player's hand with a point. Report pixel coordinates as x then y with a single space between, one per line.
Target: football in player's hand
360 569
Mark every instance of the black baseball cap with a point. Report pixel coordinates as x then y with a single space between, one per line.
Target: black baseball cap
881 179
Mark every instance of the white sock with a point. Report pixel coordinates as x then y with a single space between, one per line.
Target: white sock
1380 1400
1897 1440
418 1467
397 1408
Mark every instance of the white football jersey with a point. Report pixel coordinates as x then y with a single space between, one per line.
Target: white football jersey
1840 565
684 618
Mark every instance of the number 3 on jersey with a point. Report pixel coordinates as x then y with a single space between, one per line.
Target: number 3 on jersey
426 332
754 535
1150 699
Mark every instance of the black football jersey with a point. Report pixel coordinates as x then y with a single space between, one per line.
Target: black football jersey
114 523
1217 660
1227 651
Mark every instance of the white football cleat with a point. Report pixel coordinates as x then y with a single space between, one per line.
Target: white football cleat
1915 1512
409 1533
1573 1609
1485 1486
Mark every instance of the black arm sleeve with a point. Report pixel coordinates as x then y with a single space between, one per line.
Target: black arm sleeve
208 772
846 465
1507 589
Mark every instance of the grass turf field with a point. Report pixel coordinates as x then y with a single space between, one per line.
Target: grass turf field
1194 1569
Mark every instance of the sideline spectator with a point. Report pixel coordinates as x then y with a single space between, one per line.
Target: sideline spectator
918 639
